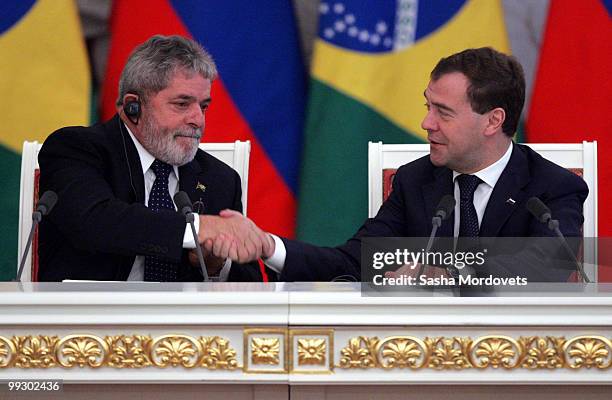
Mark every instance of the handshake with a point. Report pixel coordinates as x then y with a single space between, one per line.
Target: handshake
232 235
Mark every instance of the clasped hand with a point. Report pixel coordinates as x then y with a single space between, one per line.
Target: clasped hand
232 235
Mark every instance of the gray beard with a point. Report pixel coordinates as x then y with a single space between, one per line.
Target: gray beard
160 143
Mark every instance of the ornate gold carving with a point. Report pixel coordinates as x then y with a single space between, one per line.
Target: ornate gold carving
588 352
449 353
495 351
265 351
402 352
217 354
175 350
129 351
311 351
35 351
81 350
7 352
360 353
542 352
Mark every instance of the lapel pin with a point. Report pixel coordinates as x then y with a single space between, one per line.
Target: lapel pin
510 201
201 187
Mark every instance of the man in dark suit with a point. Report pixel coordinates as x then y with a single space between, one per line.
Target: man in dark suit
474 100
115 218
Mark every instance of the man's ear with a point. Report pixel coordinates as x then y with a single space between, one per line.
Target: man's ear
495 120
132 107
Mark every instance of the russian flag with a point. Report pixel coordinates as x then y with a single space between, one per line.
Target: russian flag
259 95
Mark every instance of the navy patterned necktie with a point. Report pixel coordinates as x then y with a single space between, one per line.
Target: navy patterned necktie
468 222
157 270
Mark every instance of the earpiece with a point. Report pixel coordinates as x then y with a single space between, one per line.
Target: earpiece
132 110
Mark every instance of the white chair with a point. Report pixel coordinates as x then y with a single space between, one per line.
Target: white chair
236 155
578 157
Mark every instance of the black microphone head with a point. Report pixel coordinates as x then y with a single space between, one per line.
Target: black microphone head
46 202
183 203
538 209
446 206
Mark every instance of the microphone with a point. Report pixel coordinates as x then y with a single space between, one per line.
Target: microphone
539 210
45 205
542 213
184 206
445 208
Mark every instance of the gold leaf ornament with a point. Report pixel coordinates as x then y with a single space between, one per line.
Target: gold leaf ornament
129 351
360 353
265 351
402 352
588 352
81 350
495 352
217 354
311 351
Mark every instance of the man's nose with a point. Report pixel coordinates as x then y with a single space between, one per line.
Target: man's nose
429 122
195 117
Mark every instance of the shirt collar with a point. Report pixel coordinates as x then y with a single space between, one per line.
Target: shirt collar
146 158
490 175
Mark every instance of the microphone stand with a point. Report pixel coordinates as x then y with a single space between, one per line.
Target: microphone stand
36 218
190 220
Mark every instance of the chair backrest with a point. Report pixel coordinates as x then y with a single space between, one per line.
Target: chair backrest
235 154
580 158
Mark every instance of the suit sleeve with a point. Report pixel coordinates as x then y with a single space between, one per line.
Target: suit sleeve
89 214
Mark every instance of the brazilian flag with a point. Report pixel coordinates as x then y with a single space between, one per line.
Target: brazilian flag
371 64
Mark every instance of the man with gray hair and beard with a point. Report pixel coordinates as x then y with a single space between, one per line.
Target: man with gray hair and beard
115 218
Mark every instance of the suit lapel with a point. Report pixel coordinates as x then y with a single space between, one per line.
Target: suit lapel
507 194
433 192
190 181
127 148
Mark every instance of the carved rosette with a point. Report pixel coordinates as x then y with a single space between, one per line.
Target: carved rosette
448 353
129 351
82 350
542 352
311 351
217 354
265 351
360 353
495 351
588 352
175 350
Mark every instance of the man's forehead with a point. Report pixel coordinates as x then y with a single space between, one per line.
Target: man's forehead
183 84
452 85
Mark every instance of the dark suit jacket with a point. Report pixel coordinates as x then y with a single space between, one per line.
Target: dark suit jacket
417 189
100 222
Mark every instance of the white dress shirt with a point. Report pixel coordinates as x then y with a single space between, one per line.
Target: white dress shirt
489 175
146 160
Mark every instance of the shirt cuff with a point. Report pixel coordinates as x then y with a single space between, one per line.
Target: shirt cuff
188 240
276 261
